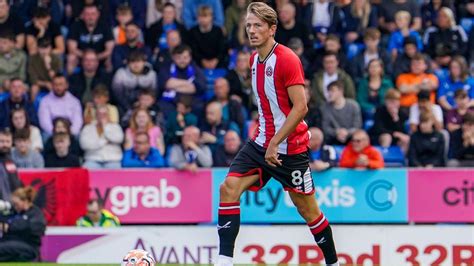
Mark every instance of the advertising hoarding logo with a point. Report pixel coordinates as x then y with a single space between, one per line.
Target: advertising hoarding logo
381 195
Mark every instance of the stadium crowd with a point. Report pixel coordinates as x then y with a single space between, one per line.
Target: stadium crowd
155 83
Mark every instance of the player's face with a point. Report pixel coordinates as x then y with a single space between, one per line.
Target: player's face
259 31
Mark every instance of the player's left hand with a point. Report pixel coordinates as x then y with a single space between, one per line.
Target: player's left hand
271 156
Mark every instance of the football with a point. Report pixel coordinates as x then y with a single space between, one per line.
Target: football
138 257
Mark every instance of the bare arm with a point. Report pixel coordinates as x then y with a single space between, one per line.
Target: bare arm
72 48
180 85
59 43
109 47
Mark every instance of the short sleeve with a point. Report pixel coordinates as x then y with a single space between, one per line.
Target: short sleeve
292 70
414 115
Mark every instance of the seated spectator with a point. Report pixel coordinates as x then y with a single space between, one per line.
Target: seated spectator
183 76
12 61
23 155
214 127
389 123
296 45
458 79
395 44
370 52
17 98
9 21
313 116
62 125
60 103
23 229
133 42
331 45
331 73
340 116
141 121
100 96
322 156
80 38
445 33
123 16
97 216
371 90
83 82
226 152
426 144
20 121
191 11
461 150
156 37
207 41
425 106
389 8
240 81
403 61
42 67
61 157
190 155
101 142
42 27
359 154
129 80
430 10
288 27
155 8
232 110
355 18
137 8
146 100
142 154
410 84
322 17
180 119
164 57
454 117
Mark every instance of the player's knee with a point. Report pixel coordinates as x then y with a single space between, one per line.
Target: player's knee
228 192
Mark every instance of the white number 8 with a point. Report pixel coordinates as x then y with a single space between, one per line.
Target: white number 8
297 177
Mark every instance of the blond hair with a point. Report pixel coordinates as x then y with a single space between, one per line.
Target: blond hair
403 13
449 13
263 12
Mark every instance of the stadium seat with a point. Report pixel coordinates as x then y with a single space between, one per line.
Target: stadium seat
339 149
392 156
211 76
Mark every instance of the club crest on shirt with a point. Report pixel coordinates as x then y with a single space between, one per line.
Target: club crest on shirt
269 71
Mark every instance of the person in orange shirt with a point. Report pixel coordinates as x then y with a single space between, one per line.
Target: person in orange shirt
359 154
409 84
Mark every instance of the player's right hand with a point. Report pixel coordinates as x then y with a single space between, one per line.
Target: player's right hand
271 155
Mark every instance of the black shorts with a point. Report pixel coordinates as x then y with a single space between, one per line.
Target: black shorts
294 174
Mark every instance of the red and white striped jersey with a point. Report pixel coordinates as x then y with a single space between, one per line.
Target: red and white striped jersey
270 81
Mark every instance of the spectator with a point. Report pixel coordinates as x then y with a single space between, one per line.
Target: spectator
207 41
101 141
23 155
340 116
42 27
12 60
331 73
146 100
137 7
60 103
129 80
190 12
240 81
395 44
100 96
154 10
16 99
225 153
88 33
157 33
142 154
322 17
61 157
180 119
454 117
445 34
359 154
403 61
331 45
296 45
141 122
288 27
232 110
214 127
133 42
42 67
190 154
90 76
62 125
389 123
389 8
10 22
182 77
323 157
123 16
371 52
24 228
355 18
371 90
77 7
97 216
430 10
233 16
8 169
19 121
462 143
313 116
425 106
458 79
410 84
426 144
164 57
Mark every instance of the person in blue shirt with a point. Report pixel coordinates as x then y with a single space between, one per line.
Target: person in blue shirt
395 44
190 8
457 79
142 154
